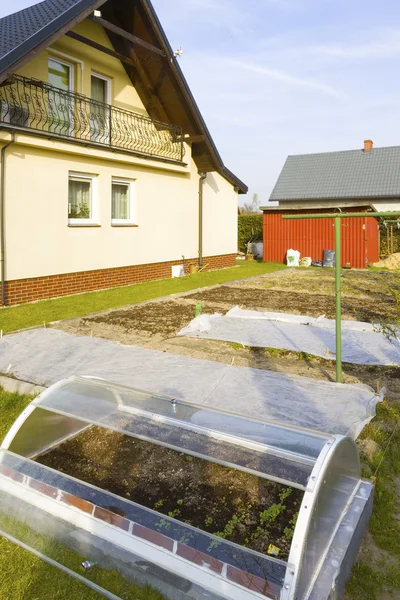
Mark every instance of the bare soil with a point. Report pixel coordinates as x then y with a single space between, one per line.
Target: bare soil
313 304
366 295
214 498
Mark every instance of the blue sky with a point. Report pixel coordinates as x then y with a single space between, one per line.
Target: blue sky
279 77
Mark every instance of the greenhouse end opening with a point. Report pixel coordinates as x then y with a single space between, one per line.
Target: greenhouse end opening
126 490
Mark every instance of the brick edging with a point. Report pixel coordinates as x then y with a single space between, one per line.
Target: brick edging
224 570
19 291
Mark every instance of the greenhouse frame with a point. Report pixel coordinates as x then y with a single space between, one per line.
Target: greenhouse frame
89 531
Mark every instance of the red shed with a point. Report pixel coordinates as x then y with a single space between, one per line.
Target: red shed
360 236
358 180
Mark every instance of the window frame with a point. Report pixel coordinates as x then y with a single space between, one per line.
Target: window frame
104 78
71 88
93 219
70 65
132 216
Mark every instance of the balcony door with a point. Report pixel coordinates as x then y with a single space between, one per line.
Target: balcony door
100 109
61 101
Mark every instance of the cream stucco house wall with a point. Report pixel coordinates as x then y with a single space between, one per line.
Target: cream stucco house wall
96 190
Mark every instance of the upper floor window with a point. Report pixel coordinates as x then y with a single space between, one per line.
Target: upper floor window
60 102
122 202
100 88
100 115
61 74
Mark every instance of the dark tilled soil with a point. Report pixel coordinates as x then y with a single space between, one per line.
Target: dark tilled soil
362 309
157 318
208 496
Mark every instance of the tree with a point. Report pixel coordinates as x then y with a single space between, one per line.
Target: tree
251 208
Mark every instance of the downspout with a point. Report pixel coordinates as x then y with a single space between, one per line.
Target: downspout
2 219
201 184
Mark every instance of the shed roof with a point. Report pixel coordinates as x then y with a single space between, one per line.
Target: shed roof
349 174
29 31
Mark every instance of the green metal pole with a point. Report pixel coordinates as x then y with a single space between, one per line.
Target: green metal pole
338 290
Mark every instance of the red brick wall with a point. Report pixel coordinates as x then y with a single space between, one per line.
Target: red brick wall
19 291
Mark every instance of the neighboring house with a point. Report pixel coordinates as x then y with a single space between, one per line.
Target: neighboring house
109 175
353 180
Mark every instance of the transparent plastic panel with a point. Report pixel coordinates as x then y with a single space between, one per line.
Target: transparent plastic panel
72 522
265 449
339 483
43 429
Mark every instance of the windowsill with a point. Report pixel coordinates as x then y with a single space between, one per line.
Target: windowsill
82 223
122 224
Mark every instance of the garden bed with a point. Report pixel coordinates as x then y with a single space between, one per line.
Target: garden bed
236 506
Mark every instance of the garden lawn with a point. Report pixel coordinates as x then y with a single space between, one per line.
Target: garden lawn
45 311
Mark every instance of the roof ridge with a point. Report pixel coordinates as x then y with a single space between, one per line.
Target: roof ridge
344 151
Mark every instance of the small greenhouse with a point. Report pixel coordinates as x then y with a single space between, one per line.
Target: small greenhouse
128 490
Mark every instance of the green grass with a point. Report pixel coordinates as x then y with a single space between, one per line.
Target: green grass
24 576
44 581
11 405
45 311
370 581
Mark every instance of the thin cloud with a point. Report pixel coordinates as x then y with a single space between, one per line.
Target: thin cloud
285 77
363 51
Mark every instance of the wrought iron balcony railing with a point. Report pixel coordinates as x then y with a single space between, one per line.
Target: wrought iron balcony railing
35 105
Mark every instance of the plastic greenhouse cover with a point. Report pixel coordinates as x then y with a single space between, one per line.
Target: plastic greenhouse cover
265 449
359 345
45 356
56 530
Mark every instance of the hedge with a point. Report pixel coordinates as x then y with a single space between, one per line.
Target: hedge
249 227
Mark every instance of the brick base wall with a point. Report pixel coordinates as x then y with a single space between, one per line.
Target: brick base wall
18 291
209 563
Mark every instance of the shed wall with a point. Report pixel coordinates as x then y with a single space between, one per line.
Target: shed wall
360 237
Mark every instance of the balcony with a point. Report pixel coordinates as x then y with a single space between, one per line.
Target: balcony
30 104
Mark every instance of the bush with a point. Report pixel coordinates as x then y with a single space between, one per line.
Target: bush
249 227
389 240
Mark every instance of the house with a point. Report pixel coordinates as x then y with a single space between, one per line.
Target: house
109 175
361 180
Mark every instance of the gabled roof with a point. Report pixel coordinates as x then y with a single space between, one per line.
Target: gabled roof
350 174
160 83
37 26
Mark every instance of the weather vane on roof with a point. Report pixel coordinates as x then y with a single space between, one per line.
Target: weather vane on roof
178 53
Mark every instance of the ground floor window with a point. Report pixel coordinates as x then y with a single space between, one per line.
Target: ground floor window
122 201
81 208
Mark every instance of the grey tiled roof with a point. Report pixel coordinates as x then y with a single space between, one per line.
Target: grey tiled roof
346 174
20 26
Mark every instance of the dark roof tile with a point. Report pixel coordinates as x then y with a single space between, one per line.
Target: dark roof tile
20 26
340 175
